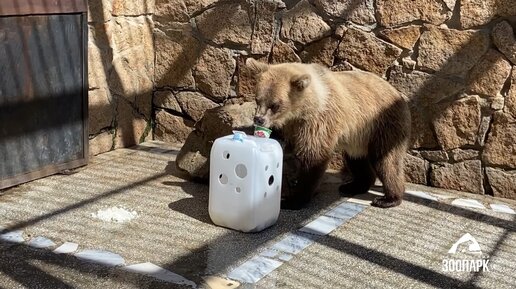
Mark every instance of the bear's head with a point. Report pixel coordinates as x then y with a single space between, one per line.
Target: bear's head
282 91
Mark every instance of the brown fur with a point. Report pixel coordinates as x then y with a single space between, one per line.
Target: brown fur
317 109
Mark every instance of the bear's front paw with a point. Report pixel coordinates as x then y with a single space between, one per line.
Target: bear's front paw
384 202
353 189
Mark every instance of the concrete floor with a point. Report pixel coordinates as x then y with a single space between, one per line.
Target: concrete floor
402 247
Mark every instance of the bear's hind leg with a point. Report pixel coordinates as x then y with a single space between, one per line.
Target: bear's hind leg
390 172
363 176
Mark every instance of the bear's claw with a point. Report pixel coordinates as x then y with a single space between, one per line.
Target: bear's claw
385 202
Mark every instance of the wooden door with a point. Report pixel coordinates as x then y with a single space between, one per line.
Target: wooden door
43 88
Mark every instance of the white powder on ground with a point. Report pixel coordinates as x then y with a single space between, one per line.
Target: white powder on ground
115 214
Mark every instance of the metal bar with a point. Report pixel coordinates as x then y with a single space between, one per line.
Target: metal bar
85 85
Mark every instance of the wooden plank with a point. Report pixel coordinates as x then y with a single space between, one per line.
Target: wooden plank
31 7
41 173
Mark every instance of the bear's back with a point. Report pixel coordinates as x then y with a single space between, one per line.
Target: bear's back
366 84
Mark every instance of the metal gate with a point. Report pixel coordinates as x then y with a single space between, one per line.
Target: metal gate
43 88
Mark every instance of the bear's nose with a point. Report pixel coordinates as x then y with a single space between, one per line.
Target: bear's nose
259 120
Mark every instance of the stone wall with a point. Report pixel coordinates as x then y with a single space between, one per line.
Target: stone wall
454 60
121 73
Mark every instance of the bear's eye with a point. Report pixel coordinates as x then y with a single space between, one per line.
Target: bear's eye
274 107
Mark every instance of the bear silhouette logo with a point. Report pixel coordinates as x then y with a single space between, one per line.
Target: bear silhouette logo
473 247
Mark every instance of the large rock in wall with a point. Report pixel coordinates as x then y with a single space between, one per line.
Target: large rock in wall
500 147
450 51
213 72
504 40
397 12
464 176
264 25
475 13
303 25
489 74
321 52
416 169
456 124
502 183
172 128
357 47
361 12
404 37
226 24
176 54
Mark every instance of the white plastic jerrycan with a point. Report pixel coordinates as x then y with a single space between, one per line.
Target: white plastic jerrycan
245 182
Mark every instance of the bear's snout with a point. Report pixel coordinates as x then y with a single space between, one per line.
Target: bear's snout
259 120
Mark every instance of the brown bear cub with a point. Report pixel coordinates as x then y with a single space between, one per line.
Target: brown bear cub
317 110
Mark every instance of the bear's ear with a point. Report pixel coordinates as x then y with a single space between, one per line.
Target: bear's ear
301 82
256 66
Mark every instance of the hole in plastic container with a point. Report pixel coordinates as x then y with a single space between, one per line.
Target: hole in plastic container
277 165
266 168
226 155
223 179
271 180
241 171
265 195
238 190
